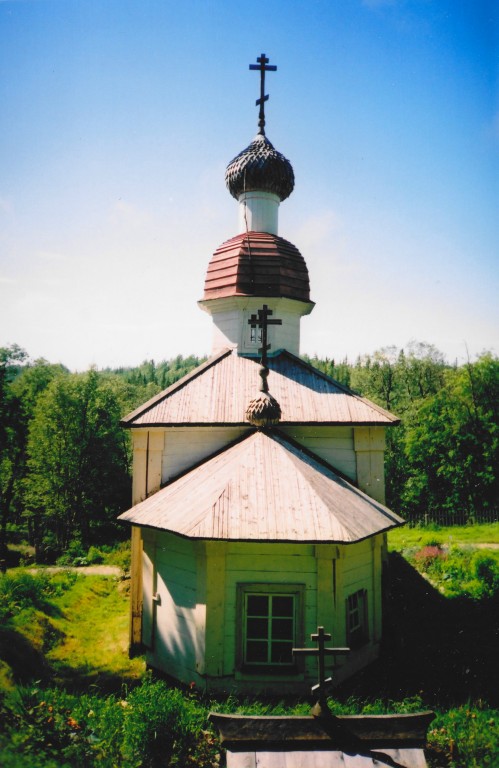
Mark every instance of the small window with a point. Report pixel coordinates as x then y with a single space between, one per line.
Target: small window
255 335
270 627
357 633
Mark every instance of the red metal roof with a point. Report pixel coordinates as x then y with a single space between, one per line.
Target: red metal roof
265 487
257 264
219 391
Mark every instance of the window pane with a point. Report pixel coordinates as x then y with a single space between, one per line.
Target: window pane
282 605
282 653
258 605
257 628
256 652
282 629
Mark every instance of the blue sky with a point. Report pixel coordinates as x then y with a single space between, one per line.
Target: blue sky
118 118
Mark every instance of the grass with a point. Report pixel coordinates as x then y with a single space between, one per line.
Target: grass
405 537
94 648
71 628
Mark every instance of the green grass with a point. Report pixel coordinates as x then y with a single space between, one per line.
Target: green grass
94 648
405 537
68 627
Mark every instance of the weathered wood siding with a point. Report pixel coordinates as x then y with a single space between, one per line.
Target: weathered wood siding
186 446
272 564
332 444
190 629
359 568
171 622
370 445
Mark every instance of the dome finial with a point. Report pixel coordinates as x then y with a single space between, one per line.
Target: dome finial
263 66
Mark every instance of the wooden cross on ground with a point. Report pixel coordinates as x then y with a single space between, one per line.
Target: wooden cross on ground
321 652
262 321
263 66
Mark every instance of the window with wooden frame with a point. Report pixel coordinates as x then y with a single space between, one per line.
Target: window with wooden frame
357 619
270 627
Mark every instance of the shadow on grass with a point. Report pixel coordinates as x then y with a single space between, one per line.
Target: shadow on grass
444 649
24 659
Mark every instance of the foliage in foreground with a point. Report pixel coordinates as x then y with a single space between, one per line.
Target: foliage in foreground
45 725
154 724
150 725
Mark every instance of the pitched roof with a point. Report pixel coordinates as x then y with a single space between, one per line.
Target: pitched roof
264 487
219 391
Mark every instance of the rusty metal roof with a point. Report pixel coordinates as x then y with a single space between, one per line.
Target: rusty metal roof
219 391
264 487
257 264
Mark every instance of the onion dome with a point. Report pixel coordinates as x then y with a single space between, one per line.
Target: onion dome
257 264
263 410
260 168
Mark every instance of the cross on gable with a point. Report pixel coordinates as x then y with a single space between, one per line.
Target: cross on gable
263 66
321 652
262 321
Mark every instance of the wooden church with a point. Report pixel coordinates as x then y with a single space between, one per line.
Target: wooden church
258 482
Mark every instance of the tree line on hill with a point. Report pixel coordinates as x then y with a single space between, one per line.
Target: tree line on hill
65 469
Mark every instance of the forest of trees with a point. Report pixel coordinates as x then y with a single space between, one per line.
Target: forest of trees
65 460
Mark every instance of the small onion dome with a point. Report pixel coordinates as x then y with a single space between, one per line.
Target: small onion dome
263 410
257 264
260 168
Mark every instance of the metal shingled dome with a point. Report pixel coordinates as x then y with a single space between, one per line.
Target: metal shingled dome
257 264
261 168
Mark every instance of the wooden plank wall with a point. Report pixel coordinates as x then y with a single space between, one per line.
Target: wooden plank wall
267 563
186 446
332 444
177 643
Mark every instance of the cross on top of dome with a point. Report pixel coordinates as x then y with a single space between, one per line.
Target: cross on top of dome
262 66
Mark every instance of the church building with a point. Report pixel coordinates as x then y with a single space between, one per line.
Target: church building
258 481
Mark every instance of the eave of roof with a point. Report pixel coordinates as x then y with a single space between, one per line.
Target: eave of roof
219 390
264 487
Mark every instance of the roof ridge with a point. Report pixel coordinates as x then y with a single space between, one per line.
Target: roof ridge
125 421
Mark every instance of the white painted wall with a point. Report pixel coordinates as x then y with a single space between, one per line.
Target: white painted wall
186 446
196 617
332 444
176 642
230 322
258 212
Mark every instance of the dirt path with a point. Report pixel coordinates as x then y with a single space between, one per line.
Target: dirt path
87 570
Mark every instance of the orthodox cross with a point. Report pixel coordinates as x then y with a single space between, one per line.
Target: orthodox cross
321 652
263 66
262 321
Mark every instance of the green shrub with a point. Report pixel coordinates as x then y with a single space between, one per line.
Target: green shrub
20 590
95 556
467 737
155 725
120 556
486 569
